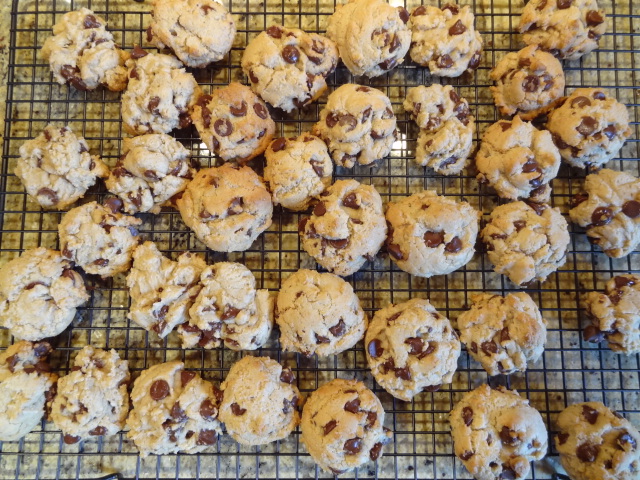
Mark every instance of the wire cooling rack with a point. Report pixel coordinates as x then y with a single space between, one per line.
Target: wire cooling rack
570 370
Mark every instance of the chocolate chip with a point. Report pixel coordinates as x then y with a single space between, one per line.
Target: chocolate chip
159 389
375 348
452 8
223 127
403 373
599 96
580 102
207 437
444 61
505 126
290 54
371 420
601 216
229 312
592 334
539 208
489 348
578 199
138 52
374 453
238 410
590 414
339 243
624 439
70 439
287 376
466 455
631 209
594 18
508 436
562 438
623 281
433 239
432 388
339 329
206 9
519 224
588 452
388 64
457 28
507 473
91 22
274 31
454 246
352 406
394 251
531 83
278 144
587 126
416 344
207 410
240 111
353 446
421 10
101 262
395 44
475 60
563 4
98 431
329 426
467 415
236 206
320 339
347 120
177 412
260 110
50 194
351 201
320 209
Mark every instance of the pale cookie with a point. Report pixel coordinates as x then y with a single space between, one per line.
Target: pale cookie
596 443
288 67
346 228
505 334
411 348
26 386
526 241
229 309
431 234
318 313
260 402
446 127
227 207
39 294
357 124
496 433
174 411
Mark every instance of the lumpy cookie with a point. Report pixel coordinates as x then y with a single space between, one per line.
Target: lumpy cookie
39 294
357 124
227 207
174 411
430 234
342 426
595 442
445 40
518 160
372 36
199 32
589 128
288 67
260 402
411 348
526 241
25 388
82 53
505 334
496 433
229 309
233 122
610 211
568 29
346 227
152 170
92 400
446 127
318 313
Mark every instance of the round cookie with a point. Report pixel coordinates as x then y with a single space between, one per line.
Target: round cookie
446 127
199 32
357 124
288 67
526 241
57 169
318 313
82 53
371 35
411 348
26 386
342 426
505 334
92 400
595 442
39 294
227 207
589 128
445 40
346 227
518 160
431 234
260 402
496 433
610 211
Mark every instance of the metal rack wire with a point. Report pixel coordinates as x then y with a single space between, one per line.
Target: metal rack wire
570 370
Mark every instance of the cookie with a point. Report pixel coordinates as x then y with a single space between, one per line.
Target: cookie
526 241
445 40
92 400
25 388
39 294
199 32
518 160
233 122
496 433
589 128
346 228
227 207
411 348
595 442
82 53
174 411
318 313
446 127
431 234
505 334
229 309
260 402
568 29
152 170
288 67
372 36
357 124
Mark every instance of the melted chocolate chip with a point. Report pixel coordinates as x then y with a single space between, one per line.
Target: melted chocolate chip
207 410
339 243
625 441
237 410
375 348
91 22
531 83
588 452
329 426
404 15
274 31
240 111
631 209
444 61
590 414
466 455
50 194
347 120
229 312
207 437
592 334
467 415
433 239
320 339
287 376
339 329
351 201
374 453
452 8
186 376
403 373
320 209
177 412
580 102
98 431
260 110
621 281
508 436
223 127
489 348
594 18
138 52
563 4
70 439
601 216
159 389
416 344
562 438
290 54
352 406
278 144
457 28
454 246
587 126
421 10
353 446
394 251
